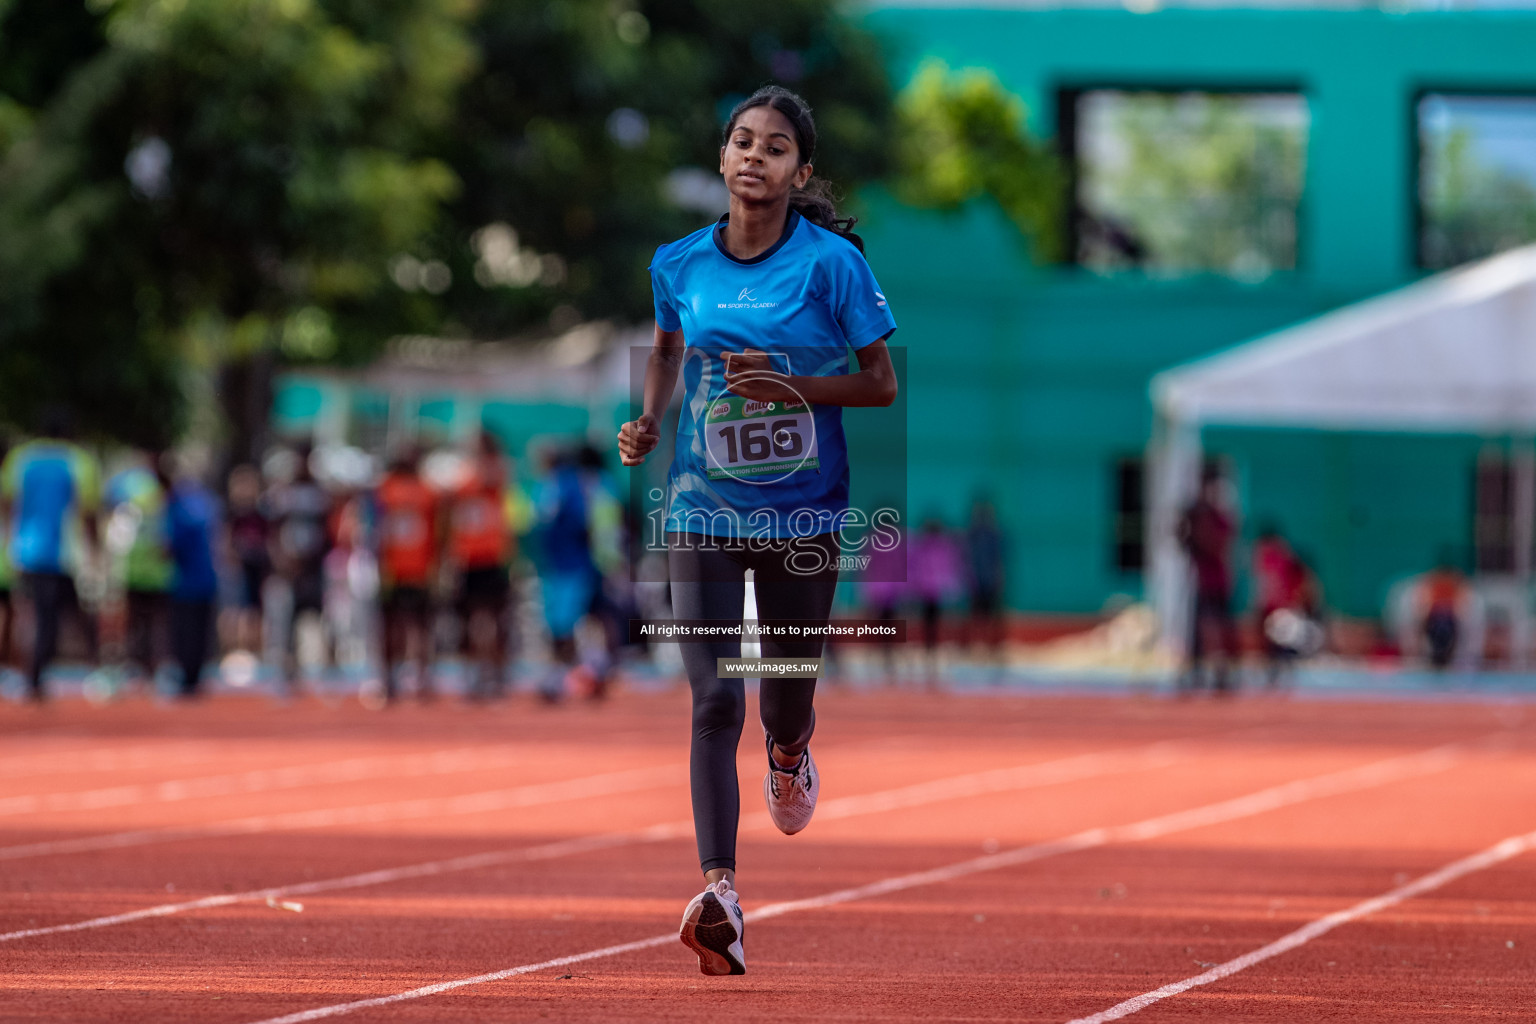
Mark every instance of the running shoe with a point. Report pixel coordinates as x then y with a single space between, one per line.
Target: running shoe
712 928
791 792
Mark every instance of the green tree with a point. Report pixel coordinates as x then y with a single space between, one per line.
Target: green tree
593 130
233 184
210 182
964 136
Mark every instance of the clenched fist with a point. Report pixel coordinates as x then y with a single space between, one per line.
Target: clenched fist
637 438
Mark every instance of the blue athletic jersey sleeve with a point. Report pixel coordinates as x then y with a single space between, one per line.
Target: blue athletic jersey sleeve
862 310
744 468
661 293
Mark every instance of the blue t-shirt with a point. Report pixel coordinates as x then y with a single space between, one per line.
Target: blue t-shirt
51 483
562 526
761 469
192 515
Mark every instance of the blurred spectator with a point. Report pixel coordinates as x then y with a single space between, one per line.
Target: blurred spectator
351 580
984 553
1287 603
246 538
7 577
1440 609
937 576
139 543
568 576
612 603
192 517
50 490
1206 532
299 539
482 547
409 539
886 586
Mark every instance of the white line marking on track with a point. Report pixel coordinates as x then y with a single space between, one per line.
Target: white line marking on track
494 858
1496 854
261 780
1081 766
94 759
1350 780
479 979
425 807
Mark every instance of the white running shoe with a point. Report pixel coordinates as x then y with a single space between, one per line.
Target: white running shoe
791 792
712 928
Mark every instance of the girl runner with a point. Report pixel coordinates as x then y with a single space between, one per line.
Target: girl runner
758 311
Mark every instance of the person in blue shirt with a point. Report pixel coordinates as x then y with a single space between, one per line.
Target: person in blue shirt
192 515
7 578
568 577
50 489
758 312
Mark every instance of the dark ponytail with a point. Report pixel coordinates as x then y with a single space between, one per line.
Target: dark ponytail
817 201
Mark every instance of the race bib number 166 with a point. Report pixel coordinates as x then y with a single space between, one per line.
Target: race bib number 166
746 437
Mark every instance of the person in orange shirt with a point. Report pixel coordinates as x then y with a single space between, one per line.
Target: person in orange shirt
409 537
481 544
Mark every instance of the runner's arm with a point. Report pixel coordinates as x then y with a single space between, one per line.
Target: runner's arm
638 437
873 385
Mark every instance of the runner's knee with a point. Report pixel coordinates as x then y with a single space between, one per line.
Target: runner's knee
719 709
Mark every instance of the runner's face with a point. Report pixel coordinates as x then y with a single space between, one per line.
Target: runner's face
760 161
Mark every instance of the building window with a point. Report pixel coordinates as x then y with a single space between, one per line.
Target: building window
1130 515
1477 176
1186 182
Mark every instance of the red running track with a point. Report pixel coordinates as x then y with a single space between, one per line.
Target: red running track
973 859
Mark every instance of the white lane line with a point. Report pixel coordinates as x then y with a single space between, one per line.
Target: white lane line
1350 780
366 814
1000 780
1081 766
494 858
263 780
86 759
1495 854
479 979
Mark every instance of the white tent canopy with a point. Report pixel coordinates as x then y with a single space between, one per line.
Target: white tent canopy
1455 352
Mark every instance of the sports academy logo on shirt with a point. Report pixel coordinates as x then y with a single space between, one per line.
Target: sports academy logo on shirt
746 300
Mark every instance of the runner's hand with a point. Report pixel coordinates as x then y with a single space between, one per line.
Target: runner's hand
637 438
749 375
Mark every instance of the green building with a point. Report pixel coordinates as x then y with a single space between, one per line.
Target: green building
1363 149
1031 383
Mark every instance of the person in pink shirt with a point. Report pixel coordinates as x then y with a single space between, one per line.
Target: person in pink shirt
936 572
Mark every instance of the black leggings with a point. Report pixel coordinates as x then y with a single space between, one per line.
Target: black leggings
709 583
48 591
191 636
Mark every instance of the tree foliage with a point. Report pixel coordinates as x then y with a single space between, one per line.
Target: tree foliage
224 183
580 131
209 179
964 136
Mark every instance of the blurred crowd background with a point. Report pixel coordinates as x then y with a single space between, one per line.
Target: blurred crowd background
1215 325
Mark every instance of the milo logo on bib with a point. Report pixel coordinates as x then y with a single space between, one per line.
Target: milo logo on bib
746 437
